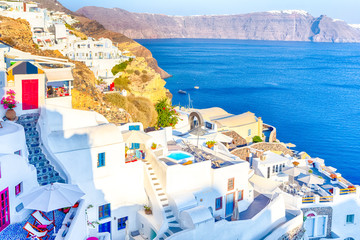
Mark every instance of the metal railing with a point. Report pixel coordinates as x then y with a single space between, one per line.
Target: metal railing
308 199
326 199
347 191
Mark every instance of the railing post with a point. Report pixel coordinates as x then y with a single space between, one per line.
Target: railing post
357 189
316 199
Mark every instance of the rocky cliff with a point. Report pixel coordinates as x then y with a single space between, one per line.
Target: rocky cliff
85 95
291 25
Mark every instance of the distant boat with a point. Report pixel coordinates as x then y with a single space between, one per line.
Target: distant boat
182 91
196 87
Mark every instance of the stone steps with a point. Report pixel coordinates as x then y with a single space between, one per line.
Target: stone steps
46 173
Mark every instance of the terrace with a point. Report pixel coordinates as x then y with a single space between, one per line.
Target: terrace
195 154
333 184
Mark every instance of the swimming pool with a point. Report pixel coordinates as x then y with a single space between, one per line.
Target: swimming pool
180 156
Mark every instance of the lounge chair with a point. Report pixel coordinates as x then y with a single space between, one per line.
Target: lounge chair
34 231
41 219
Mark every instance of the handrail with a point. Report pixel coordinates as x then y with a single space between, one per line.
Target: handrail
347 190
326 199
308 199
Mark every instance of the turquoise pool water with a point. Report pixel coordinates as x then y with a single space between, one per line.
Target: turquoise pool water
179 156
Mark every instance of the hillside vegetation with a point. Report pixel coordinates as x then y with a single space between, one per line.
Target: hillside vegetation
85 95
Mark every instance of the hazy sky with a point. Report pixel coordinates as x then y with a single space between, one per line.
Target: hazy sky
348 10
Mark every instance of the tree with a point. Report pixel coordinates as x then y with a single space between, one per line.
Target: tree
167 115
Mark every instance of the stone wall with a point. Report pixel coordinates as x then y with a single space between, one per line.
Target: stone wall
272 137
325 211
272 147
294 234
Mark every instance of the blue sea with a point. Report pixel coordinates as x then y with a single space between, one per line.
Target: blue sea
309 91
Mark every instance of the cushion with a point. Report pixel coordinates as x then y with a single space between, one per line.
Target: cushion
135 233
65 232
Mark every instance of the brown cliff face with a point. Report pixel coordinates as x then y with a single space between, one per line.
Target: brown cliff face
275 25
94 29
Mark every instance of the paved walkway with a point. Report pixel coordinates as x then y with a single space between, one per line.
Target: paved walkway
259 203
16 232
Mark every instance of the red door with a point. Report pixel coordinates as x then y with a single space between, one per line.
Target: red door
30 94
4 209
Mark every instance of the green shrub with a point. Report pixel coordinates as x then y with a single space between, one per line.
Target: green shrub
257 139
167 115
118 100
144 71
120 67
137 72
122 83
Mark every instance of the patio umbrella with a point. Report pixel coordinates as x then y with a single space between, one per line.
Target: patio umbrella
311 179
198 132
294 171
134 136
52 197
219 137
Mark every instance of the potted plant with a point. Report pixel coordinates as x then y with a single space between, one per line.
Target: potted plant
9 103
210 144
333 176
295 163
148 210
153 146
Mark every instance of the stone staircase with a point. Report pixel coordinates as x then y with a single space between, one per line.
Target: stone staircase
173 224
46 173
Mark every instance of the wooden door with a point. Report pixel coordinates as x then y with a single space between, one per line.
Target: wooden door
30 94
4 209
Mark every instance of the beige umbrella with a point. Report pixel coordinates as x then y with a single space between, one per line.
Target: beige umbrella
136 136
311 179
294 171
219 137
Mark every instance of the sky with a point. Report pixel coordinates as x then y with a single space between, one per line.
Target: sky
347 10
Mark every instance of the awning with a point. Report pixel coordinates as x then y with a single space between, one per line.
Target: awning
59 74
264 185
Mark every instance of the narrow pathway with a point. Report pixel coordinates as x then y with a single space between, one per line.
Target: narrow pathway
46 173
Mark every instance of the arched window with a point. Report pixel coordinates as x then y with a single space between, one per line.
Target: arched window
349 238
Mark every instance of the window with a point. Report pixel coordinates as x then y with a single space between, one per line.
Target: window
350 218
122 223
273 168
218 203
105 227
18 189
249 132
104 211
135 146
18 152
277 168
280 167
19 207
240 195
208 125
134 127
268 172
231 184
101 160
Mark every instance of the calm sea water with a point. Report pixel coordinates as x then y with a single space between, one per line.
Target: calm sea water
309 91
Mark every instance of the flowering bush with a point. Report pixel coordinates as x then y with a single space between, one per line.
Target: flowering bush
9 101
167 115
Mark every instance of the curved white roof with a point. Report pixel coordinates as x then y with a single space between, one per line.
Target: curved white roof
185 200
84 138
199 214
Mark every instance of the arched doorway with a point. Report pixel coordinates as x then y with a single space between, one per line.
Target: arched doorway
195 120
